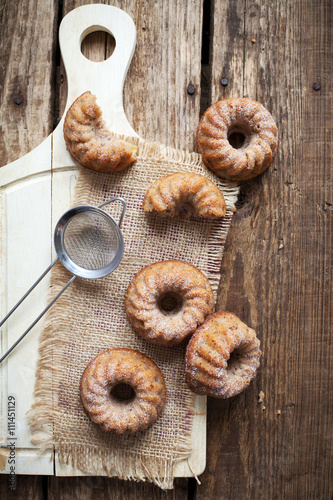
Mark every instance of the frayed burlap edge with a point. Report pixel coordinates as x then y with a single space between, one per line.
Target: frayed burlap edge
43 412
139 468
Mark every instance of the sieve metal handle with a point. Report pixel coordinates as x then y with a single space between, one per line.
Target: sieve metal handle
42 313
124 207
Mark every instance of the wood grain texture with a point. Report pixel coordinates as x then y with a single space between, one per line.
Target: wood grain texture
27 488
101 488
27 48
276 273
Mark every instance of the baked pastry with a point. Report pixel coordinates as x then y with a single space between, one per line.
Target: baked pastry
222 356
166 301
184 195
123 391
237 118
88 140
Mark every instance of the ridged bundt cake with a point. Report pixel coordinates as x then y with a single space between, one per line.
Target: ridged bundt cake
166 301
123 391
222 356
237 118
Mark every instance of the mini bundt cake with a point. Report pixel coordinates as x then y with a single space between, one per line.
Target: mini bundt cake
184 195
88 140
222 356
239 120
166 301
122 390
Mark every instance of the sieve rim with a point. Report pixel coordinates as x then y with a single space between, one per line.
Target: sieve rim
58 239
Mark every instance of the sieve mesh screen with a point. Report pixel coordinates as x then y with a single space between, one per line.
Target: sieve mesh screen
91 240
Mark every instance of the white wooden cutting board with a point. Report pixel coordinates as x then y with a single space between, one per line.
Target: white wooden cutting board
34 191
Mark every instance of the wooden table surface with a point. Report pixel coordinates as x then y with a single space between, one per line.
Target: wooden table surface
276 273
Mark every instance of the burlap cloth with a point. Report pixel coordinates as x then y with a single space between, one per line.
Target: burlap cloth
90 317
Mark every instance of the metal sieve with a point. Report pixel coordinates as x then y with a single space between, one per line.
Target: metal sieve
88 242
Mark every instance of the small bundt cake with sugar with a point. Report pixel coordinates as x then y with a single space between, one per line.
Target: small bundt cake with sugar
166 301
237 138
90 143
222 356
184 195
123 390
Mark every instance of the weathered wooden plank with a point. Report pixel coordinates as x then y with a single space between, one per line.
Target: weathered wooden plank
227 49
101 488
276 272
25 487
27 48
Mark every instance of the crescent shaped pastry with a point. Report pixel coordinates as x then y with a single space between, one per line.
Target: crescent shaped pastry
88 140
184 195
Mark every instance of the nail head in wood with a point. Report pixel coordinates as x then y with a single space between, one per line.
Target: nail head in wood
190 90
18 101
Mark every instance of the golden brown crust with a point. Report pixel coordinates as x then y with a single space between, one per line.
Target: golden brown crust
131 368
243 116
184 195
166 301
222 356
88 140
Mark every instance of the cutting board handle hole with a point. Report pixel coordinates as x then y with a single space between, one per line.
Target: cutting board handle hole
97 45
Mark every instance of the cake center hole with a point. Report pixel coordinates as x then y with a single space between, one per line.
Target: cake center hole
170 303
123 393
233 361
237 139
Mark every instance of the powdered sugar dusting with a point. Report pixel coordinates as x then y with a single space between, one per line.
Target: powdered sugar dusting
222 357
